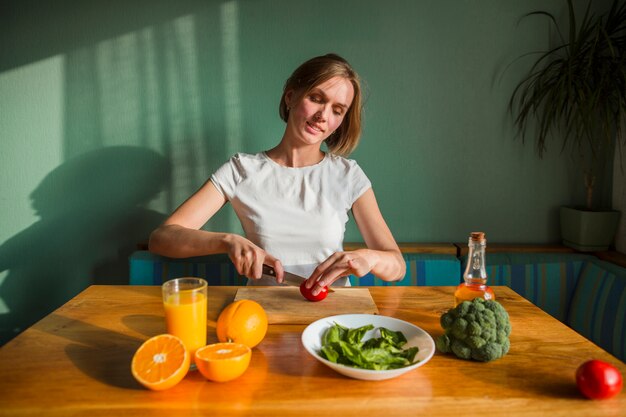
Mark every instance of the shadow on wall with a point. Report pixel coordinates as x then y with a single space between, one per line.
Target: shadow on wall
92 215
32 30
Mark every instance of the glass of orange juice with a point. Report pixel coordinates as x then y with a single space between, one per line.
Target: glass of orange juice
185 302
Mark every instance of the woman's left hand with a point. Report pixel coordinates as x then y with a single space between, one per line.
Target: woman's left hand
341 264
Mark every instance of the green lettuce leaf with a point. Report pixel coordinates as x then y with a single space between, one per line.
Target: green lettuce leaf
345 346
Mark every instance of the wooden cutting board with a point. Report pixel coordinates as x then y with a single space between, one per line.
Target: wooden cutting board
285 305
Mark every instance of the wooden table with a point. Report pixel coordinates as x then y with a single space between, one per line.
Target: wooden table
76 362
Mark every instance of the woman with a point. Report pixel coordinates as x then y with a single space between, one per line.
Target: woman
293 200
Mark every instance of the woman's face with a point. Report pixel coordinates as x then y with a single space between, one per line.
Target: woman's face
316 116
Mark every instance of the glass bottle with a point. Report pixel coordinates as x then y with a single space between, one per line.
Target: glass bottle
475 275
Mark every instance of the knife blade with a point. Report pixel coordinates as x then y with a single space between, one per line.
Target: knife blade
289 279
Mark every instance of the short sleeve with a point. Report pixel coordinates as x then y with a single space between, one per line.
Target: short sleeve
227 177
359 183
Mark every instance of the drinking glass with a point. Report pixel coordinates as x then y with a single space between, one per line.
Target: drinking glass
185 303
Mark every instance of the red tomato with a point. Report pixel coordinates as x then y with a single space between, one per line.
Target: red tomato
598 380
306 292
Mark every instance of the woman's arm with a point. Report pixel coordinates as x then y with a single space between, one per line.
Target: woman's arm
179 236
382 256
382 253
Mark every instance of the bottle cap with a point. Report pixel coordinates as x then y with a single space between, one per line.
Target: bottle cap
477 236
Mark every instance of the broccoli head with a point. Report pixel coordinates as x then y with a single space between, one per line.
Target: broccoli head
477 329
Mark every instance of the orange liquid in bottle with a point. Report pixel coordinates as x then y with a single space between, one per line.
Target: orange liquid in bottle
467 292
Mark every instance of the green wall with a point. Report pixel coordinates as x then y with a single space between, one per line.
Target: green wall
112 113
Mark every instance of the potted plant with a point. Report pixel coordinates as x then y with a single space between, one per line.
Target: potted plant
575 92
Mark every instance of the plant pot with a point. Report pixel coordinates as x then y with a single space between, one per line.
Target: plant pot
588 231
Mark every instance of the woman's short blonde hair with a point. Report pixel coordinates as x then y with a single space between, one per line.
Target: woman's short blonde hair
314 72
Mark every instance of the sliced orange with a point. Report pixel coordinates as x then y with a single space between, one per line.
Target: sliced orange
222 362
160 362
243 321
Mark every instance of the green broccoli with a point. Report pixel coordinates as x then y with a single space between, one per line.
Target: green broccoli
476 329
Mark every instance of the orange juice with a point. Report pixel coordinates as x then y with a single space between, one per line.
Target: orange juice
185 315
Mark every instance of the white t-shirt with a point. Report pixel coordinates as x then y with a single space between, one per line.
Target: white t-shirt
297 215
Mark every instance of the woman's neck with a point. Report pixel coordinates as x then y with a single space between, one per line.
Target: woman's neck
295 157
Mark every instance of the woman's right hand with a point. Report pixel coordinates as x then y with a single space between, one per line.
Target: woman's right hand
180 236
248 258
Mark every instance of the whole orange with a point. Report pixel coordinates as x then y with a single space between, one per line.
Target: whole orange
243 321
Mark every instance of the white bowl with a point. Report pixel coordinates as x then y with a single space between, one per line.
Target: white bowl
312 341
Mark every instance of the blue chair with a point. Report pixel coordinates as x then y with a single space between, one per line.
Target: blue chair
598 307
548 280
422 269
147 268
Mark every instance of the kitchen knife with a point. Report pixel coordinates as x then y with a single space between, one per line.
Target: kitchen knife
288 278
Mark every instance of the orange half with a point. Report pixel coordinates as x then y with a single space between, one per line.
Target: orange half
222 362
160 362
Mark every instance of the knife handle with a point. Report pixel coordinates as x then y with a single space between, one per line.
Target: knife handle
268 270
